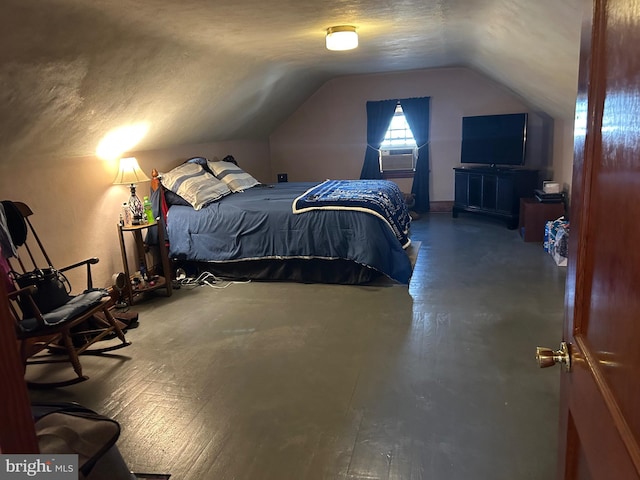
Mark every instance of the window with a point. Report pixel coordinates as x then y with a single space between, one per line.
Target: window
399 136
398 149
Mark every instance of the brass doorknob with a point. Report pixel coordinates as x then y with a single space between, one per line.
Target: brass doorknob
547 357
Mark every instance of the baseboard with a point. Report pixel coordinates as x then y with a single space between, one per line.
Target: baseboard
439 207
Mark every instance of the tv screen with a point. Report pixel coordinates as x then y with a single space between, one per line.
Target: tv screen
494 139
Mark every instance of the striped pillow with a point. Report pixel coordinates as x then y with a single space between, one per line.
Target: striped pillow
194 184
235 178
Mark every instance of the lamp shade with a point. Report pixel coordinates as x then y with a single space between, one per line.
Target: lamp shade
130 172
342 37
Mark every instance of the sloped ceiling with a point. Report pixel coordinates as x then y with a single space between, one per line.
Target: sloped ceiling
209 70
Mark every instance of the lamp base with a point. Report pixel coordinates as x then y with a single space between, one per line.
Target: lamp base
135 207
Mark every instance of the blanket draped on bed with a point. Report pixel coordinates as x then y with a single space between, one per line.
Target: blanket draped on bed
381 198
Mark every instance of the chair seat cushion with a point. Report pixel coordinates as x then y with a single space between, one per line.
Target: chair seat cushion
70 310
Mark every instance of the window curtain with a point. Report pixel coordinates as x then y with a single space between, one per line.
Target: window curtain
416 111
379 115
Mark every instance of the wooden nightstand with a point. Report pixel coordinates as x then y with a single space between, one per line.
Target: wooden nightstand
159 281
533 217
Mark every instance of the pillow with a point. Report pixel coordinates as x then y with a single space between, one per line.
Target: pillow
200 161
235 178
194 184
174 199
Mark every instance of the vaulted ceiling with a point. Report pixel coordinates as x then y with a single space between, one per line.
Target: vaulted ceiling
208 70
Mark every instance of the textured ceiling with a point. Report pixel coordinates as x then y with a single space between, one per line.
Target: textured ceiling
209 70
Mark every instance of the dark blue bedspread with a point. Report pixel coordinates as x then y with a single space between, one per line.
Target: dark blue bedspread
259 223
382 198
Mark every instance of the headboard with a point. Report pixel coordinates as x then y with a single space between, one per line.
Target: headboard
155 180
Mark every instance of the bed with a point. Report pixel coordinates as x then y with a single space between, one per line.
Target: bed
282 231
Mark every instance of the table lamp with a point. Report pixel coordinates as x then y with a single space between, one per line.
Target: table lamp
130 173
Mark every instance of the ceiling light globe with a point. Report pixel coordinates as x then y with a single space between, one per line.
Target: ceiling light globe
343 37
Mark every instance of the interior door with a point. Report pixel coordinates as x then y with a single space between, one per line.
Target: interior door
17 432
600 396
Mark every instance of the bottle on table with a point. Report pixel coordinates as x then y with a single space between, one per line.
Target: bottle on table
125 215
148 210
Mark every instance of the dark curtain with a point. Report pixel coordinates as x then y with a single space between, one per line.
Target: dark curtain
416 111
379 115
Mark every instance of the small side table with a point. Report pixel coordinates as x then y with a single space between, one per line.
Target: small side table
141 259
533 217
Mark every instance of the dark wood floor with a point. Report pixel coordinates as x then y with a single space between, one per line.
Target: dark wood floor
292 381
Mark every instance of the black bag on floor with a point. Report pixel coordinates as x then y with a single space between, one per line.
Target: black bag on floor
70 428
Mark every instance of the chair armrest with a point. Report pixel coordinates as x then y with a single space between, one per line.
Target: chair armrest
28 290
25 294
88 262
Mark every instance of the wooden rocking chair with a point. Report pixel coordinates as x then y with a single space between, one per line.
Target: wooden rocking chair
68 330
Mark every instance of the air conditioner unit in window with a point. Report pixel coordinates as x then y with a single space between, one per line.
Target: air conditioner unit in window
391 160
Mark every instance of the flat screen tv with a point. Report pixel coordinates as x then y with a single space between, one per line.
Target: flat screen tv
494 139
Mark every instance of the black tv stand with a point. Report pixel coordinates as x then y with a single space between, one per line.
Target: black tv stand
493 191
493 167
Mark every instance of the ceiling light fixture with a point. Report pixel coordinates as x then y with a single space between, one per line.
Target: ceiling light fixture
342 37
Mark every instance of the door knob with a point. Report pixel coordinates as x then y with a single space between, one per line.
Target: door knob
547 357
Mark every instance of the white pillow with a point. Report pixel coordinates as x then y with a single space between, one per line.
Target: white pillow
194 184
235 178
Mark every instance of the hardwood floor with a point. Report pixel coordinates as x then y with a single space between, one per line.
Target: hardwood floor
295 381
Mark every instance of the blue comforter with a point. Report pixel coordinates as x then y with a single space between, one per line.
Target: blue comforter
381 198
259 223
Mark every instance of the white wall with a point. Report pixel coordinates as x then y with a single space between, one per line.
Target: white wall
326 136
563 153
